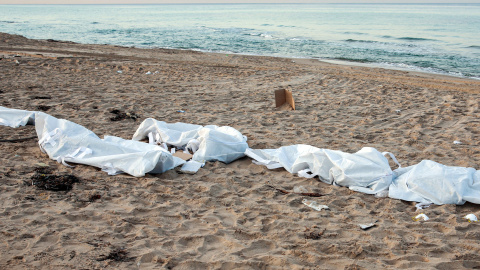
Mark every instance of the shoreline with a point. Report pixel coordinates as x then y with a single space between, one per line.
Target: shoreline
330 61
229 216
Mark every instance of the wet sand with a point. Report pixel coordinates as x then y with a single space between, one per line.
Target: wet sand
229 216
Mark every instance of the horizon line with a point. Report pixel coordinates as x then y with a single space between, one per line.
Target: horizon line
262 3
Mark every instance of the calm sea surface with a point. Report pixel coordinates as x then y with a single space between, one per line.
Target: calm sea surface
432 37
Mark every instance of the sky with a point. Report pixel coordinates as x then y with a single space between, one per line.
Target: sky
224 1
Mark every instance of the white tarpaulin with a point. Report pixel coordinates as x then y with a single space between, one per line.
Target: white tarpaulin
176 134
366 171
66 141
208 143
224 144
16 118
430 181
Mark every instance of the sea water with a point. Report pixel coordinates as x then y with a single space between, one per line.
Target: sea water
437 38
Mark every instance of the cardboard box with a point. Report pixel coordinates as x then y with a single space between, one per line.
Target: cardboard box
283 96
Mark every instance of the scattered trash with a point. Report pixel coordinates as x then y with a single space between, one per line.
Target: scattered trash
180 111
315 205
119 71
471 218
17 62
41 164
192 166
423 205
457 142
183 155
398 111
368 226
420 217
148 73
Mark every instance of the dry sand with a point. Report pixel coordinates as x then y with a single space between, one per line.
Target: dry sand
227 216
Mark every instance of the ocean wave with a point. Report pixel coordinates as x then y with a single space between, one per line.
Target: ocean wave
474 47
354 33
360 41
414 39
356 60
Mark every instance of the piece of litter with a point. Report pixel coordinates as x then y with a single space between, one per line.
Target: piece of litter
471 218
367 226
148 73
41 165
191 167
420 217
398 111
423 205
315 205
119 71
457 142
180 111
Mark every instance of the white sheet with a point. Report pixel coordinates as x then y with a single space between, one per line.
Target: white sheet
66 142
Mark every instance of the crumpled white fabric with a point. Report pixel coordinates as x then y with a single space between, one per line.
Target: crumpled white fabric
113 154
15 118
176 134
366 171
429 181
209 143
224 144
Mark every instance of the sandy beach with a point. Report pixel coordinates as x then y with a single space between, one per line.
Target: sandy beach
229 216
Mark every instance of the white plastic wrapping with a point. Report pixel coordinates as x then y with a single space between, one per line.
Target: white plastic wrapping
366 171
176 134
430 181
67 142
224 144
15 118
208 143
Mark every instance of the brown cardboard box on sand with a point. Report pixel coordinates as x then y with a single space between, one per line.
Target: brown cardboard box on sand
283 96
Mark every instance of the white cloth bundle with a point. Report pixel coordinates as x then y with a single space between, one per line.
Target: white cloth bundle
367 171
66 141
